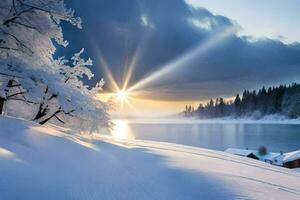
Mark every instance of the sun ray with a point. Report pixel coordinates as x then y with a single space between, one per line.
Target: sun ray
129 104
124 97
135 59
107 71
182 60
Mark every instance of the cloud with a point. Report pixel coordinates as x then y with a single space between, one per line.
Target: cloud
154 33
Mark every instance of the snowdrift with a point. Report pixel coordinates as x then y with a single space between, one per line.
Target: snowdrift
55 163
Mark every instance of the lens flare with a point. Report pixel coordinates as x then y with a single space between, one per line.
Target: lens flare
120 91
184 59
122 95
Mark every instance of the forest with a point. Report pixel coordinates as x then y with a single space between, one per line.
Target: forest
283 100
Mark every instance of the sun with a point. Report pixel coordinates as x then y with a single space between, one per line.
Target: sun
122 95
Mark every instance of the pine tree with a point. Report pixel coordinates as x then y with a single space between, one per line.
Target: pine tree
237 105
276 100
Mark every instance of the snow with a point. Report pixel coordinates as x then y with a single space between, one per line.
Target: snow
50 162
39 83
294 155
240 152
271 157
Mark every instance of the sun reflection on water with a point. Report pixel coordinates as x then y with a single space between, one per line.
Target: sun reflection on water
122 130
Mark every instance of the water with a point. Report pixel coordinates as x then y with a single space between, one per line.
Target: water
218 136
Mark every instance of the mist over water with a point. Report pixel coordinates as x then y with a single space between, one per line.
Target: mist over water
217 135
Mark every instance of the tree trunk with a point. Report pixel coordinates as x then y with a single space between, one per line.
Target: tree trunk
2 100
50 117
41 112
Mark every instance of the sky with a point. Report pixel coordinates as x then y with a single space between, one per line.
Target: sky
274 19
174 52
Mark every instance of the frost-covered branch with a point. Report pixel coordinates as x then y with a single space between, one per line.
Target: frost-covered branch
45 89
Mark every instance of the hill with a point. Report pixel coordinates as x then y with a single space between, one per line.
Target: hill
50 162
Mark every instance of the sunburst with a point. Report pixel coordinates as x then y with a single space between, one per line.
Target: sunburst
124 94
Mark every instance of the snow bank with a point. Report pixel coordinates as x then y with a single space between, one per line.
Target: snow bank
50 163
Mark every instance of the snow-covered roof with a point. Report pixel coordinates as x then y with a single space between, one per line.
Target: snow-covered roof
240 152
269 156
274 158
294 155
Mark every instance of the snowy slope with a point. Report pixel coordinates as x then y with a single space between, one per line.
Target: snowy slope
50 163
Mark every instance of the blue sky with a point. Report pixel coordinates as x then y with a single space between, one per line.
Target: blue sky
275 19
182 47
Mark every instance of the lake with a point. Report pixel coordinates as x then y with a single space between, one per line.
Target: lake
217 136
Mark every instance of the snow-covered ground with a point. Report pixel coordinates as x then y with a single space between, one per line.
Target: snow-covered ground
50 163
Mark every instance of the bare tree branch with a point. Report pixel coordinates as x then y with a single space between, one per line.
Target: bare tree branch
16 39
12 95
59 119
27 26
17 85
9 75
51 116
24 100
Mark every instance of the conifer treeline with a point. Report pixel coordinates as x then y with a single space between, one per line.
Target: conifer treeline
284 100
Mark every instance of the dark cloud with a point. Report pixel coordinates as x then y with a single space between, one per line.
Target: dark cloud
164 30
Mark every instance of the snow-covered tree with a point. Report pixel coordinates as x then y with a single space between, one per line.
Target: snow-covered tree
38 86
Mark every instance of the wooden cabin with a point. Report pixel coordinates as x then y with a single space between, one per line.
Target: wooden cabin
242 152
292 159
289 160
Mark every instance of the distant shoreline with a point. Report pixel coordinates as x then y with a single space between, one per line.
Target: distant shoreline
265 120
